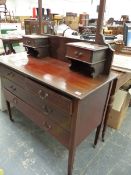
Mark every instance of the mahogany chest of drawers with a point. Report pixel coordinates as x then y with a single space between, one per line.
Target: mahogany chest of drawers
58 100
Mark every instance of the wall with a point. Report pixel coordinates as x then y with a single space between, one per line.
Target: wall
114 8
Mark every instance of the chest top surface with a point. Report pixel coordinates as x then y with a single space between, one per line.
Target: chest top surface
56 74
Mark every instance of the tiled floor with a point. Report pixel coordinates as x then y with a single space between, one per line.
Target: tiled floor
27 150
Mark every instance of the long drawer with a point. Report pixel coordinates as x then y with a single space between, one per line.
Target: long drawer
13 76
38 118
38 91
49 96
45 107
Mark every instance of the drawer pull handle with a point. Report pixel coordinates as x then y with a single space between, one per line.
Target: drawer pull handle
76 52
47 110
43 97
14 100
47 126
28 42
13 88
10 74
80 54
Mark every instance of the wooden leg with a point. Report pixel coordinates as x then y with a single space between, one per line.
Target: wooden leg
6 52
97 135
111 99
71 161
11 48
9 110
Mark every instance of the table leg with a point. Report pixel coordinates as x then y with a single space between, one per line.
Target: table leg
6 52
9 110
11 48
108 108
107 115
71 160
97 135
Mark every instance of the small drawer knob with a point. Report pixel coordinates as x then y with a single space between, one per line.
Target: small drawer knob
14 100
47 126
28 42
80 54
76 52
42 95
47 110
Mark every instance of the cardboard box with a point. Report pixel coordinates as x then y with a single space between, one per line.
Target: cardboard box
119 109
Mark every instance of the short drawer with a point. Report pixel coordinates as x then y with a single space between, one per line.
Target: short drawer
28 42
35 41
49 96
85 55
50 111
13 76
38 118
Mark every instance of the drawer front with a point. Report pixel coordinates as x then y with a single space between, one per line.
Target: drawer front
35 42
39 119
28 42
49 96
79 54
51 112
13 76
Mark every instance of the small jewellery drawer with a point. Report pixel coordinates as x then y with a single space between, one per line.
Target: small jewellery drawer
35 40
13 76
39 119
78 53
85 55
49 96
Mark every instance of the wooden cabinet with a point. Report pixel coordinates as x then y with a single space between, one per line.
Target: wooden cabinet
57 99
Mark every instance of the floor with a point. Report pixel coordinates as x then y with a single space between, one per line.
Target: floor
27 150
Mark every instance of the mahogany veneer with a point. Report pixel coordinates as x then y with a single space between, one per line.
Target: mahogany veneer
65 103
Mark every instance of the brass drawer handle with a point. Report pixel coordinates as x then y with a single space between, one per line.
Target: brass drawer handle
13 88
76 53
47 126
14 100
28 42
43 97
47 110
80 54
10 74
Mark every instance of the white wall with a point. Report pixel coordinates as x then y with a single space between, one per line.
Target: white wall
114 8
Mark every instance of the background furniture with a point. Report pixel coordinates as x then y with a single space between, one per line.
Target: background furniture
32 27
9 41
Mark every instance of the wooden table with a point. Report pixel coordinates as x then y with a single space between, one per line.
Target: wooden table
66 104
8 41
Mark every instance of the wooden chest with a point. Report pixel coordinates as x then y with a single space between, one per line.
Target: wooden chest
36 45
87 58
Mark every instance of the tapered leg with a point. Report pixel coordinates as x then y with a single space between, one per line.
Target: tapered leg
97 135
9 110
71 160
109 107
